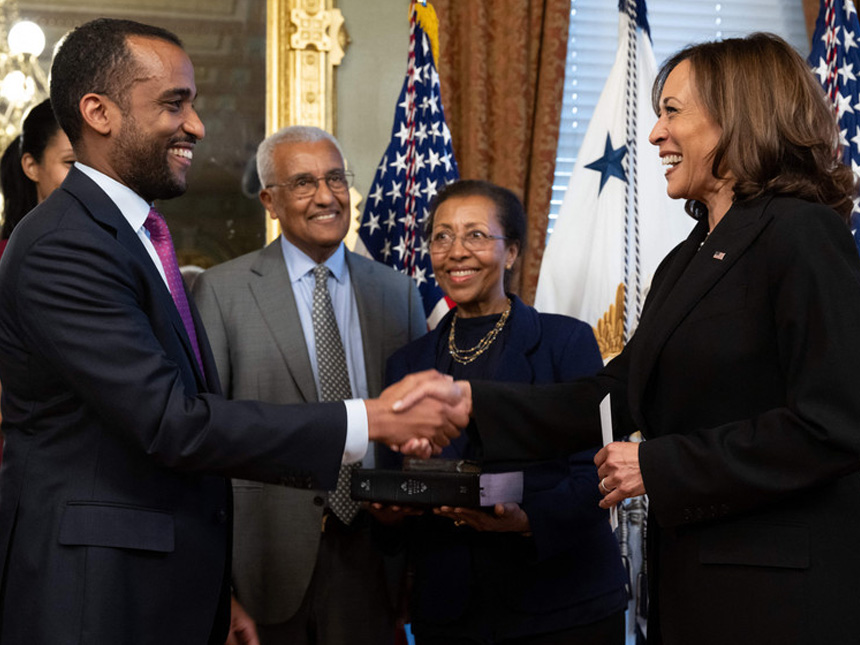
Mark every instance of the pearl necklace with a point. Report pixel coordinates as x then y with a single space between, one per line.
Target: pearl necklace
466 356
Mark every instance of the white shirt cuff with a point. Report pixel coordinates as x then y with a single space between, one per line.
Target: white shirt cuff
356 431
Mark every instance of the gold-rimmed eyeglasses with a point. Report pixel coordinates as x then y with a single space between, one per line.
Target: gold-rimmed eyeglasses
338 181
442 241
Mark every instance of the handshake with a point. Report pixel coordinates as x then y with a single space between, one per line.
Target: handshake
420 414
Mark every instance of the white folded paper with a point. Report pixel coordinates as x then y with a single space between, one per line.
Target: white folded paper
606 430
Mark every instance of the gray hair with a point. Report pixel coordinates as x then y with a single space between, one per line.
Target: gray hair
289 135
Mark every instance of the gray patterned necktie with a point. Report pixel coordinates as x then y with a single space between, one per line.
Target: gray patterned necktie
334 381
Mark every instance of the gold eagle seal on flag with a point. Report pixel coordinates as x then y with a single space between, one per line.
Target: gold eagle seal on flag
609 331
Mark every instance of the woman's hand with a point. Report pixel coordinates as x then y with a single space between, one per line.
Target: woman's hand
506 518
391 514
619 472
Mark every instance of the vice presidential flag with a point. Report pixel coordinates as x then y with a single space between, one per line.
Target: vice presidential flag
419 161
835 58
616 222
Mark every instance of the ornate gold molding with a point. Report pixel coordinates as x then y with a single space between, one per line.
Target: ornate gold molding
305 41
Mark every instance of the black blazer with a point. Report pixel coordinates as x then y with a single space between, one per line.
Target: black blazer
742 376
115 510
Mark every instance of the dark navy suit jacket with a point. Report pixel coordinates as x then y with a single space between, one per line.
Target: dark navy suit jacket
115 510
569 572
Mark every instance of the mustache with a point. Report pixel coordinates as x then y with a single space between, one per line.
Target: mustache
188 138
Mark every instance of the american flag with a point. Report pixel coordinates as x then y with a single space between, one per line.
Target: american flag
419 161
835 58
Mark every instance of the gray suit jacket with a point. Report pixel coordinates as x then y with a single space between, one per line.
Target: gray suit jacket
250 314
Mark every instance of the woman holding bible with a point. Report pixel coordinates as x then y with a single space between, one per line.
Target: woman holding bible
547 570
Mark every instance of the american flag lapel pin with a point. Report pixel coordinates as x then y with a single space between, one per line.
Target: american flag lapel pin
719 255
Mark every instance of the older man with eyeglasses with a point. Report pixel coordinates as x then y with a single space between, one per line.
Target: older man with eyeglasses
304 319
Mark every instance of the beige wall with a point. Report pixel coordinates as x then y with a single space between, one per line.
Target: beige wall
368 81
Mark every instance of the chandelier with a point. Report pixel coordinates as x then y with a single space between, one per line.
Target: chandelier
23 82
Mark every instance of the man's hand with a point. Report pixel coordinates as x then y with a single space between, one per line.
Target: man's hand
620 475
428 423
458 393
242 628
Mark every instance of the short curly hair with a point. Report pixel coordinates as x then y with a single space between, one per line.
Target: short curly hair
288 135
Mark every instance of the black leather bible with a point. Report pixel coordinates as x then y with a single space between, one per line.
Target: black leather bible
436 482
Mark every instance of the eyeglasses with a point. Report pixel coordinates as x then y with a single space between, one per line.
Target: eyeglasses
337 181
442 241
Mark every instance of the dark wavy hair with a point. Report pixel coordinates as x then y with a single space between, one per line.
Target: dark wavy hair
19 191
779 131
509 210
94 58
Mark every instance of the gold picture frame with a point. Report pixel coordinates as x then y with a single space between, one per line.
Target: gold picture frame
305 41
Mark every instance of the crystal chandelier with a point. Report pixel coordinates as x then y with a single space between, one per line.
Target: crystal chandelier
23 82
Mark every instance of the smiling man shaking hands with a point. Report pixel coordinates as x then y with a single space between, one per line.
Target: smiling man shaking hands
115 509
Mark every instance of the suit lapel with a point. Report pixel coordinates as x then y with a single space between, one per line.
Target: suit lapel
370 301
273 293
693 273
213 381
521 338
682 257
103 209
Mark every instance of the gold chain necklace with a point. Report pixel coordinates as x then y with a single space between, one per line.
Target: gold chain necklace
466 356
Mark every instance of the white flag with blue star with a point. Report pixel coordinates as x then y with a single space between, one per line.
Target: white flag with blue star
835 58
616 222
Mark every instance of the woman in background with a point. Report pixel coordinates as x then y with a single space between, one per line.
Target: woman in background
548 570
33 166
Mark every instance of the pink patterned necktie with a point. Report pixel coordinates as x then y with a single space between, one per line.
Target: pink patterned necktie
159 235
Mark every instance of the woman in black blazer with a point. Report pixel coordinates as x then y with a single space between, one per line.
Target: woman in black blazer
743 374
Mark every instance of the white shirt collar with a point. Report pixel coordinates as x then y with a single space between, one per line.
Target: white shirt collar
133 207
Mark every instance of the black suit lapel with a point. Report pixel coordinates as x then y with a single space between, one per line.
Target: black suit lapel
104 211
213 381
522 337
692 274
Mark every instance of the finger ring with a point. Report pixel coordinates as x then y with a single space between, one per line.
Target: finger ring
459 522
602 487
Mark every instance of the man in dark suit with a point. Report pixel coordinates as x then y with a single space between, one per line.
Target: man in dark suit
300 568
115 510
